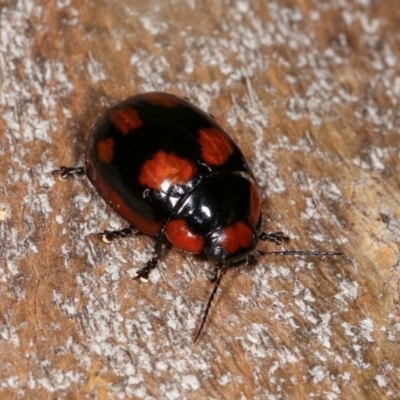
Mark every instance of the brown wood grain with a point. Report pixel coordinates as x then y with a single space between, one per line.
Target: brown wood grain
310 91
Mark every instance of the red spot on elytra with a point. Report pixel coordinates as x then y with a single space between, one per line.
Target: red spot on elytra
105 150
215 146
126 119
162 99
165 170
236 236
183 238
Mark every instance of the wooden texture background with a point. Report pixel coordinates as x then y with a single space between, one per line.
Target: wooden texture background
310 90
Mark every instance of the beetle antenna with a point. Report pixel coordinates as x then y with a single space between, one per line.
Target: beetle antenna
222 269
298 253
279 238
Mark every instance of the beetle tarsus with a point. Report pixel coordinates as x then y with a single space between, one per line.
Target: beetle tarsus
108 236
66 172
143 274
276 237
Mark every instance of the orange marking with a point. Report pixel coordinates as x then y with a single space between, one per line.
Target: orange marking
255 203
105 150
126 120
183 238
237 236
165 170
215 146
162 99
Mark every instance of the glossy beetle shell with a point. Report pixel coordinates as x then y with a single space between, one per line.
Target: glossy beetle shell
169 169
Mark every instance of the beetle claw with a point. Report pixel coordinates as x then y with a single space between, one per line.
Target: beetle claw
143 274
108 236
276 237
66 172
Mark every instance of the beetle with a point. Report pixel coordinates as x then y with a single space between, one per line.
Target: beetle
173 173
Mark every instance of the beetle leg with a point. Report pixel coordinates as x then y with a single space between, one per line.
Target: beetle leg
143 273
109 236
251 260
276 237
66 172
